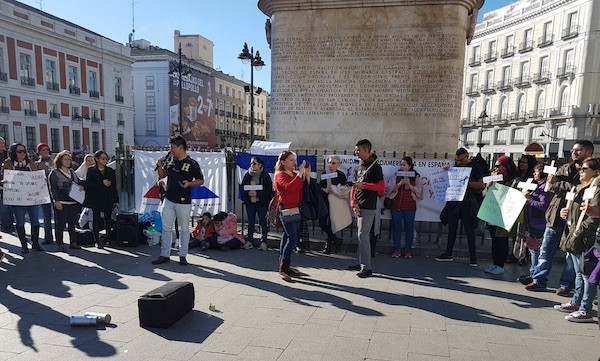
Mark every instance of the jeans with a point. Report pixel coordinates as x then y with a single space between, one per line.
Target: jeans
34 215
47 213
365 222
253 209
535 255
584 292
550 244
400 219
567 277
289 238
68 216
469 225
171 211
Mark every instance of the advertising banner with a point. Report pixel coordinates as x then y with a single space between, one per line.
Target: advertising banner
198 119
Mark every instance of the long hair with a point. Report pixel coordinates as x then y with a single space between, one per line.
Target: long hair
12 151
411 165
594 164
279 167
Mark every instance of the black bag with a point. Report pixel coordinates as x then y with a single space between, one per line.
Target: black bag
164 306
387 203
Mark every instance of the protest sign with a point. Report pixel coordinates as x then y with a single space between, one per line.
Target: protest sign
458 180
501 206
23 188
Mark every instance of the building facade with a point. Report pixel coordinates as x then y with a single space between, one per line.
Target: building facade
230 104
534 67
62 84
195 47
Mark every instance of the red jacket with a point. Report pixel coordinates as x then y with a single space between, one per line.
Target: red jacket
289 189
209 229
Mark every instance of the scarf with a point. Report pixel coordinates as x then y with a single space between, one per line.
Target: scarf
255 175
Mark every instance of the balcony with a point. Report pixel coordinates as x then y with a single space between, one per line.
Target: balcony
507 52
4 109
543 77
472 91
517 117
221 112
76 117
25 80
499 119
94 94
240 116
119 98
490 57
121 122
74 90
565 72
488 88
522 82
95 120
570 32
545 41
526 46
50 85
30 112
557 112
505 85
475 61
539 113
228 114
467 122
54 115
500 141
3 77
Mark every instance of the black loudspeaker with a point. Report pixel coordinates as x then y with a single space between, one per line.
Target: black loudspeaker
127 229
164 306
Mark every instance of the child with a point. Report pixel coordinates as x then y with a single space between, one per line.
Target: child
227 236
203 231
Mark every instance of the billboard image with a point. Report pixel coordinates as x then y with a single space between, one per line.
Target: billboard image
197 121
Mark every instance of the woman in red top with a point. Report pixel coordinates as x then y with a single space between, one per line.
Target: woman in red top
404 194
289 187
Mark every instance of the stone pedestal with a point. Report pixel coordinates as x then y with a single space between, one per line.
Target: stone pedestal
389 71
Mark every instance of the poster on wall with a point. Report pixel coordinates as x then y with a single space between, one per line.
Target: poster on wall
197 120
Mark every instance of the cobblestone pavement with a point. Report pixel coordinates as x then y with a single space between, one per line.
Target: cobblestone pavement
413 309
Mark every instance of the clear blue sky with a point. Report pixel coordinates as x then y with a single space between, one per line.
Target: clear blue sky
227 23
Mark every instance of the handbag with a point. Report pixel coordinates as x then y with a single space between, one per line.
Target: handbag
290 215
387 203
519 248
273 212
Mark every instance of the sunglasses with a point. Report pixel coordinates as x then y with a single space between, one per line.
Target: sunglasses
21 151
253 163
103 158
332 162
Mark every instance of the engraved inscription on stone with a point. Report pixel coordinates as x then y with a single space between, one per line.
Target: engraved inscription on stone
414 75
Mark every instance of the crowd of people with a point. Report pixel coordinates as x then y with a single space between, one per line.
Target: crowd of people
562 210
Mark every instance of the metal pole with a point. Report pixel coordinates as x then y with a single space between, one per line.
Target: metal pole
179 69
251 96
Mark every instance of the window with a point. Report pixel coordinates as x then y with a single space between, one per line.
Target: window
476 52
521 106
524 70
471 113
2 71
505 75
73 78
239 94
547 32
519 136
227 90
76 139
120 119
92 81
221 88
118 87
486 136
30 137
150 102
4 133
540 103
55 139
54 113
509 42
568 59
4 107
536 133
572 23
25 66
492 48
473 81
489 78
75 112
95 141
561 131
28 105
51 74
564 100
150 82
94 115
527 37
504 108
150 125
502 135
472 137
544 61
121 139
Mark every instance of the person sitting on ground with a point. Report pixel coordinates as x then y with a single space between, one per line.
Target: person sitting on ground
226 235
203 231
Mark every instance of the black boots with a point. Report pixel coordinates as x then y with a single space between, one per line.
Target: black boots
21 233
35 238
329 247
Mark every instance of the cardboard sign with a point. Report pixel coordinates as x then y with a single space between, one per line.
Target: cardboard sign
439 183
493 178
458 181
501 206
589 193
253 187
329 176
22 188
409 174
550 169
570 196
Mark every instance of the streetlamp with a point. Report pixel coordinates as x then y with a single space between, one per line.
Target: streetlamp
181 70
482 119
255 62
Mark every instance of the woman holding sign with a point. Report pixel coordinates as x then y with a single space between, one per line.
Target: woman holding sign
506 167
404 194
18 160
257 191
61 179
580 237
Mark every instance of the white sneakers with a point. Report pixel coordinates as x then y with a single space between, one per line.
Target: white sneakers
495 270
263 246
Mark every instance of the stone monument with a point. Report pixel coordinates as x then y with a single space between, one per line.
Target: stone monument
390 71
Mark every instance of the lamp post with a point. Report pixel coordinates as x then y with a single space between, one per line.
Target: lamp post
482 119
255 62
181 70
